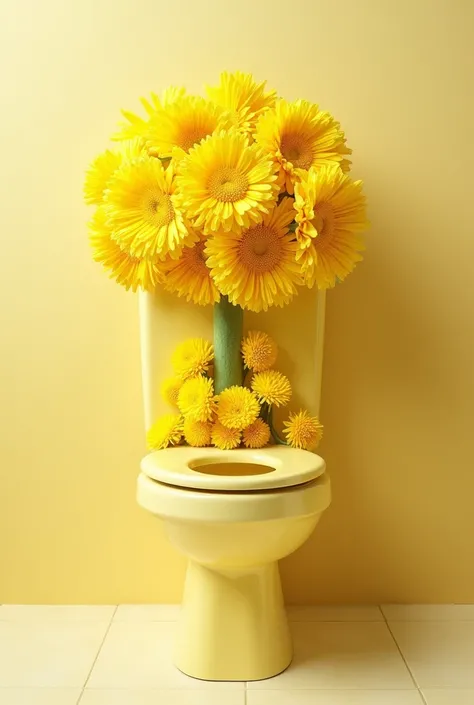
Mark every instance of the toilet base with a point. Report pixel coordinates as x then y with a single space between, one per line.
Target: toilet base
233 625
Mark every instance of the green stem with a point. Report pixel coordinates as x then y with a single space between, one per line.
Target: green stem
228 330
247 375
279 441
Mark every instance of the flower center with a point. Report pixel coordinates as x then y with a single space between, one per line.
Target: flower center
260 249
323 221
195 258
227 184
303 430
158 208
297 150
191 136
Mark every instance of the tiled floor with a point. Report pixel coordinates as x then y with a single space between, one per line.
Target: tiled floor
101 655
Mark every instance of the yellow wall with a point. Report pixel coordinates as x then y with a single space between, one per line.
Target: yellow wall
398 388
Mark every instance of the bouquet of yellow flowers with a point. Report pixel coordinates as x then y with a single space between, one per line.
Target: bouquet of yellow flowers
236 200
240 414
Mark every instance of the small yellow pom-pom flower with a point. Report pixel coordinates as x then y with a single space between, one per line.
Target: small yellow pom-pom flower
272 388
197 433
225 438
170 389
166 431
237 407
257 434
192 358
303 431
196 399
259 351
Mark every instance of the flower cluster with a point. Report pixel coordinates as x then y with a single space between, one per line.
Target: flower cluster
239 415
241 194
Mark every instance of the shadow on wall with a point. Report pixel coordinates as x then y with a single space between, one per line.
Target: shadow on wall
384 401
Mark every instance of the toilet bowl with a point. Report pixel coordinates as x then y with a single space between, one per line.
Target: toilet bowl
234 515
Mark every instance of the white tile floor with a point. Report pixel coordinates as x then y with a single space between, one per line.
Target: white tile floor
101 655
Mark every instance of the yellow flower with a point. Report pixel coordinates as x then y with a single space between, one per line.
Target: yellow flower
243 97
166 431
196 399
298 136
197 433
257 434
144 210
259 351
170 389
135 126
189 276
303 431
271 387
192 358
331 213
225 438
257 268
99 174
226 184
237 407
183 123
130 272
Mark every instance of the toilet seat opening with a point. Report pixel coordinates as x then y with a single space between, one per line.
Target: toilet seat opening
229 468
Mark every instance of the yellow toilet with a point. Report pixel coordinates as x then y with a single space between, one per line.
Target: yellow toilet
234 515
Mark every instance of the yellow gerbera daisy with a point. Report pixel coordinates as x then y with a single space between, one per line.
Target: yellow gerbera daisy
99 174
272 387
259 351
196 399
237 407
303 431
166 431
189 276
243 97
225 438
170 389
183 123
197 433
257 434
227 184
331 214
257 267
135 126
131 272
144 211
298 136
192 358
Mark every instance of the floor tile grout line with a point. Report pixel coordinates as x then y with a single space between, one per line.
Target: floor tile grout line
422 696
97 654
400 651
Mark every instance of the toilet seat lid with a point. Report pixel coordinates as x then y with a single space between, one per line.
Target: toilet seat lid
239 470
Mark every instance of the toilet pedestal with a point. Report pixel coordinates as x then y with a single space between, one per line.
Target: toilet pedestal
233 625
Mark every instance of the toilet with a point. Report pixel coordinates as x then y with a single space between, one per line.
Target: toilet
233 515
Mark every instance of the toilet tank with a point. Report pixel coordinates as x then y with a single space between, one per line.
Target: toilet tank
298 329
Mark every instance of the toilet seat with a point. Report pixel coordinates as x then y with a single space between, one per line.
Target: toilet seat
213 507
285 467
